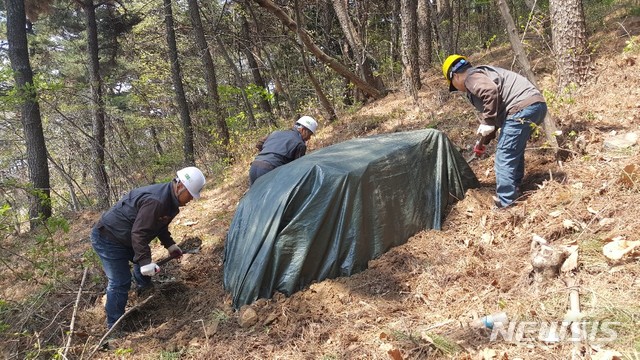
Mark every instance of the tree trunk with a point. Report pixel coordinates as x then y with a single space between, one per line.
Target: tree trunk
518 49
395 31
101 181
156 141
40 198
239 81
445 26
322 98
278 90
75 203
569 42
255 69
425 40
516 44
409 28
181 99
364 62
322 56
324 101
210 79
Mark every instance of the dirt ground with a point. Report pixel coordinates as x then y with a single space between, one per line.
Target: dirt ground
417 300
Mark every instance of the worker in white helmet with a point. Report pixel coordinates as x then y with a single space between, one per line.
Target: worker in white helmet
282 147
123 233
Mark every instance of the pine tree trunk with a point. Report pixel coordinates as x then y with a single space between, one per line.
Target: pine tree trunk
409 28
278 88
239 81
425 40
569 42
101 181
324 101
181 99
445 26
40 198
394 31
209 75
516 44
255 69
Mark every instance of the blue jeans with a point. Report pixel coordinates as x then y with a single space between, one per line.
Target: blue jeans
115 260
512 141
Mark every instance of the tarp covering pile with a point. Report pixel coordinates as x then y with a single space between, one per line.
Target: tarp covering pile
328 213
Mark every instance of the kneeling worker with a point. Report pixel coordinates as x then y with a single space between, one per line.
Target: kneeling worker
282 147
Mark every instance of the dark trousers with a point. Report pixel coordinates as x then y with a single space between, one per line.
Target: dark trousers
257 169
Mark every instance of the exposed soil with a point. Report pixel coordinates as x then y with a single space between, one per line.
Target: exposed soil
415 301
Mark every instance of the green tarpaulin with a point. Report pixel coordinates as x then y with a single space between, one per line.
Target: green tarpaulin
328 213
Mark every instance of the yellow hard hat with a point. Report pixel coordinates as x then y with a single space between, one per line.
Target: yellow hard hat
452 64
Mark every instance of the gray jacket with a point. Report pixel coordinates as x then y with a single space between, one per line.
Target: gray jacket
497 93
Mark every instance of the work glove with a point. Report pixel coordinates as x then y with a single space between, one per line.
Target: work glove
485 130
174 251
479 149
150 269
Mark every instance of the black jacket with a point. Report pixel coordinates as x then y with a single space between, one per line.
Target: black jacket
140 216
282 147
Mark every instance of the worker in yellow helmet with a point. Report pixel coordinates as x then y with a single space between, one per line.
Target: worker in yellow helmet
506 101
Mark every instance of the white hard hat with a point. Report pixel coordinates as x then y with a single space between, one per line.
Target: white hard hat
193 180
308 122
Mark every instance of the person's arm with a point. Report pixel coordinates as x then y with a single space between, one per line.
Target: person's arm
145 228
165 237
480 86
260 143
485 140
300 151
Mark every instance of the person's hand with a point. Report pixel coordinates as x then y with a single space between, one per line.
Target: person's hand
479 149
175 251
485 130
150 269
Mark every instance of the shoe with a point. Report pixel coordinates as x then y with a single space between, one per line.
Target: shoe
112 341
497 205
145 291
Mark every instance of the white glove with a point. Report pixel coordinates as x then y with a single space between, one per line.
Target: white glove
174 251
150 269
485 130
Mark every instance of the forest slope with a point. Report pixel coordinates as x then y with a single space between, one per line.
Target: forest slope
416 300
